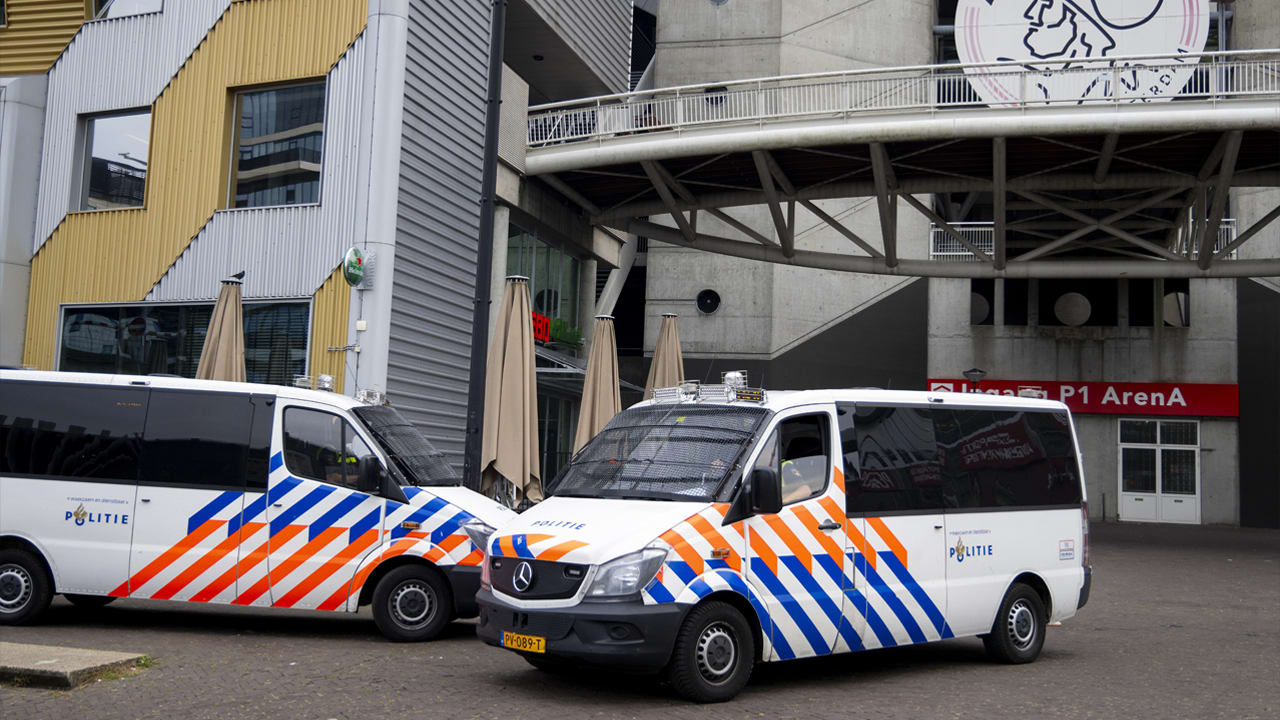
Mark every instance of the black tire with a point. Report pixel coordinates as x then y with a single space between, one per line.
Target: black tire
1018 632
714 654
89 602
25 587
412 603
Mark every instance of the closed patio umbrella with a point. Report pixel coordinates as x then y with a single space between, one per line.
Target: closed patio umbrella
600 391
222 357
667 367
509 452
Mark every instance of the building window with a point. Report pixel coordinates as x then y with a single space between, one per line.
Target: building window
145 339
116 167
553 282
279 146
2 13
104 9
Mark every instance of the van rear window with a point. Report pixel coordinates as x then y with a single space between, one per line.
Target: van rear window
914 459
84 432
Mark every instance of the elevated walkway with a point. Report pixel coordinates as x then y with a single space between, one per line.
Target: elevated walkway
1116 180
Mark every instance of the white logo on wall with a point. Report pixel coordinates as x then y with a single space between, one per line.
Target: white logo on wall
1050 36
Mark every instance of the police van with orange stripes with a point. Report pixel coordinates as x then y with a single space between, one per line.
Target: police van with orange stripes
718 526
255 495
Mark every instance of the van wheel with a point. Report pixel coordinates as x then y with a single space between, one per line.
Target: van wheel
24 587
1018 632
714 654
412 603
89 601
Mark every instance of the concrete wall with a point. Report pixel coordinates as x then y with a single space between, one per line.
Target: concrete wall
22 102
769 309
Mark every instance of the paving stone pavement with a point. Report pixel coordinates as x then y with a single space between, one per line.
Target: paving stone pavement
1184 622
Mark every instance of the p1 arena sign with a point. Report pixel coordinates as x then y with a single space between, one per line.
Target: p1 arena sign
1069 44
1120 398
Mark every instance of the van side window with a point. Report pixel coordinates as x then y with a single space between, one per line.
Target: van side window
322 446
797 450
197 439
1002 458
86 432
898 461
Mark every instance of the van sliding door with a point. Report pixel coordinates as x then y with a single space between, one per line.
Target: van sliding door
895 503
190 496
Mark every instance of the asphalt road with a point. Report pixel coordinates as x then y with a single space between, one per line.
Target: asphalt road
1184 622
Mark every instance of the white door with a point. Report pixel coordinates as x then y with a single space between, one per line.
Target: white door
795 556
191 492
1159 469
897 525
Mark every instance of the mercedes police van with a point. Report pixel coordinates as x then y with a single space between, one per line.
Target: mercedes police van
715 527
257 495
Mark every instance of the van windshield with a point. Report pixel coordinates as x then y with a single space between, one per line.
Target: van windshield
662 452
412 455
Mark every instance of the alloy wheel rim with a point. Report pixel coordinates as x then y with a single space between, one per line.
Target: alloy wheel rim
413 604
717 653
1022 625
15 588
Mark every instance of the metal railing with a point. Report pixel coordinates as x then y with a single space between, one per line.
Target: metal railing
1131 79
944 247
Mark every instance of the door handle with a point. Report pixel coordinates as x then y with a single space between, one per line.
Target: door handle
937 527
276 505
829 525
146 499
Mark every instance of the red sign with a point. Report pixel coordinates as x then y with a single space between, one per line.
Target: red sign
1124 398
541 327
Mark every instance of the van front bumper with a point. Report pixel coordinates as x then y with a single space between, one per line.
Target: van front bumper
626 634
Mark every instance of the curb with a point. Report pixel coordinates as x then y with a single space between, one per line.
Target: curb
64 668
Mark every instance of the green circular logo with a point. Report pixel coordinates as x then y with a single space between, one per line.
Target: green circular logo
353 267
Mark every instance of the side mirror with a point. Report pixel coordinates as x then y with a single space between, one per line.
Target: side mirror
766 491
370 478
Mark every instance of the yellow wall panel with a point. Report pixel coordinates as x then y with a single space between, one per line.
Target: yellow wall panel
117 256
329 314
35 32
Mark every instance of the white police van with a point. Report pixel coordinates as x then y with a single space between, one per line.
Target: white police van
716 527
257 495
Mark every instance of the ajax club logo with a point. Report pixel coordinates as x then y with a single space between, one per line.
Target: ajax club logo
1071 46
962 551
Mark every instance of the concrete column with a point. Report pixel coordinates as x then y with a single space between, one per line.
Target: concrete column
388 30
498 271
587 302
22 102
998 306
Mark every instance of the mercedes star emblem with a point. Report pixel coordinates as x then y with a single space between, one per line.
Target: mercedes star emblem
523 578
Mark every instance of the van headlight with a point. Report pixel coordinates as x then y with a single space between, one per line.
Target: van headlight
628 574
479 532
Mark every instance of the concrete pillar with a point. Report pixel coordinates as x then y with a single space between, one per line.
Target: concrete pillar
498 273
389 29
22 102
587 302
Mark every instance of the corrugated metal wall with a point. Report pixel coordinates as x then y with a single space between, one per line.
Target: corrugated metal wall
329 313
119 255
289 251
438 219
599 30
78 86
35 31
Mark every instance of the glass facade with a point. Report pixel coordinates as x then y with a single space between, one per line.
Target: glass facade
145 339
280 146
120 8
553 279
116 166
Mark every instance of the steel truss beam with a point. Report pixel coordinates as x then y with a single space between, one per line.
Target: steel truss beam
1135 269
775 207
885 183
1209 234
